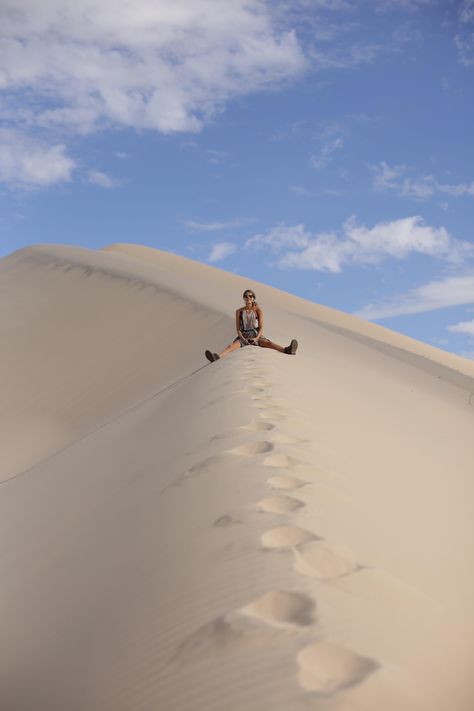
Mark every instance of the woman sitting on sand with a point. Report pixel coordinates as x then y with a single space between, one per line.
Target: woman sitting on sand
249 326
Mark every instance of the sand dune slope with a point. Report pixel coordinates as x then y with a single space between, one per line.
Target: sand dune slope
265 532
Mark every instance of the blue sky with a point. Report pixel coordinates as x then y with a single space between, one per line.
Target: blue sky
324 147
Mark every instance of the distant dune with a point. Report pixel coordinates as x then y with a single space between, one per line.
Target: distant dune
264 533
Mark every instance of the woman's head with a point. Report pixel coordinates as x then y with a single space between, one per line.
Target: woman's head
249 298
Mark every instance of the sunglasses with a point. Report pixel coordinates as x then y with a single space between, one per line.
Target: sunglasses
249 296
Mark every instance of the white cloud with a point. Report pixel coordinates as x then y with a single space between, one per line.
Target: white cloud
451 291
96 177
220 251
358 244
27 162
463 327
281 237
145 64
388 177
77 66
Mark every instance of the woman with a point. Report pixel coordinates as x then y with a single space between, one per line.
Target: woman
249 326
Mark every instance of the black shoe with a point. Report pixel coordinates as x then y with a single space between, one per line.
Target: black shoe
291 349
216 356
211 356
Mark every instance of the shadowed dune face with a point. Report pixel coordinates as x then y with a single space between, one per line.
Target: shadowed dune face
80 344
263 532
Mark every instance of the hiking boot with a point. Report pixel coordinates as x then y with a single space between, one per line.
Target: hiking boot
291 349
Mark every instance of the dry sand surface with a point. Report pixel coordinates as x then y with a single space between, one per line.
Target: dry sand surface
264 533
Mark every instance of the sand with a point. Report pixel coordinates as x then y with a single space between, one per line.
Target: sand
266 532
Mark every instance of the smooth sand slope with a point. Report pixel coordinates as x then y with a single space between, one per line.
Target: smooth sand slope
265 533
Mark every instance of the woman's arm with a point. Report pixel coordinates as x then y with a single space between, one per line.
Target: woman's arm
260 322
237 324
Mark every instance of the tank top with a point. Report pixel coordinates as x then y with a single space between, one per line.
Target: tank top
249 320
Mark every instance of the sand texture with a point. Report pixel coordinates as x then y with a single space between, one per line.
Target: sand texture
264 533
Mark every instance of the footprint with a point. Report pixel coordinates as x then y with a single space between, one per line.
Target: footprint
281 481
225 520
325 561
280 607
249 449
224 435
286 537
329 668
267 403
205 464
258 426
280 460
280 504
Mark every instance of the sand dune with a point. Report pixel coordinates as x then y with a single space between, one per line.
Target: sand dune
264 532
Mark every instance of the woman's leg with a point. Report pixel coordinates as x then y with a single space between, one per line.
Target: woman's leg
231 347
270 344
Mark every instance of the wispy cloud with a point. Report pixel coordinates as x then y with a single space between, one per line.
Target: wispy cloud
296 247
439 294
216 157
299 190
410 5
466 327
465 46
96 177
322 158
27 162
295 130
466 11
464 39
220 251
217 226
387 177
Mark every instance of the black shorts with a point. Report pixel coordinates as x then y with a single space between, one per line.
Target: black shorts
249 334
